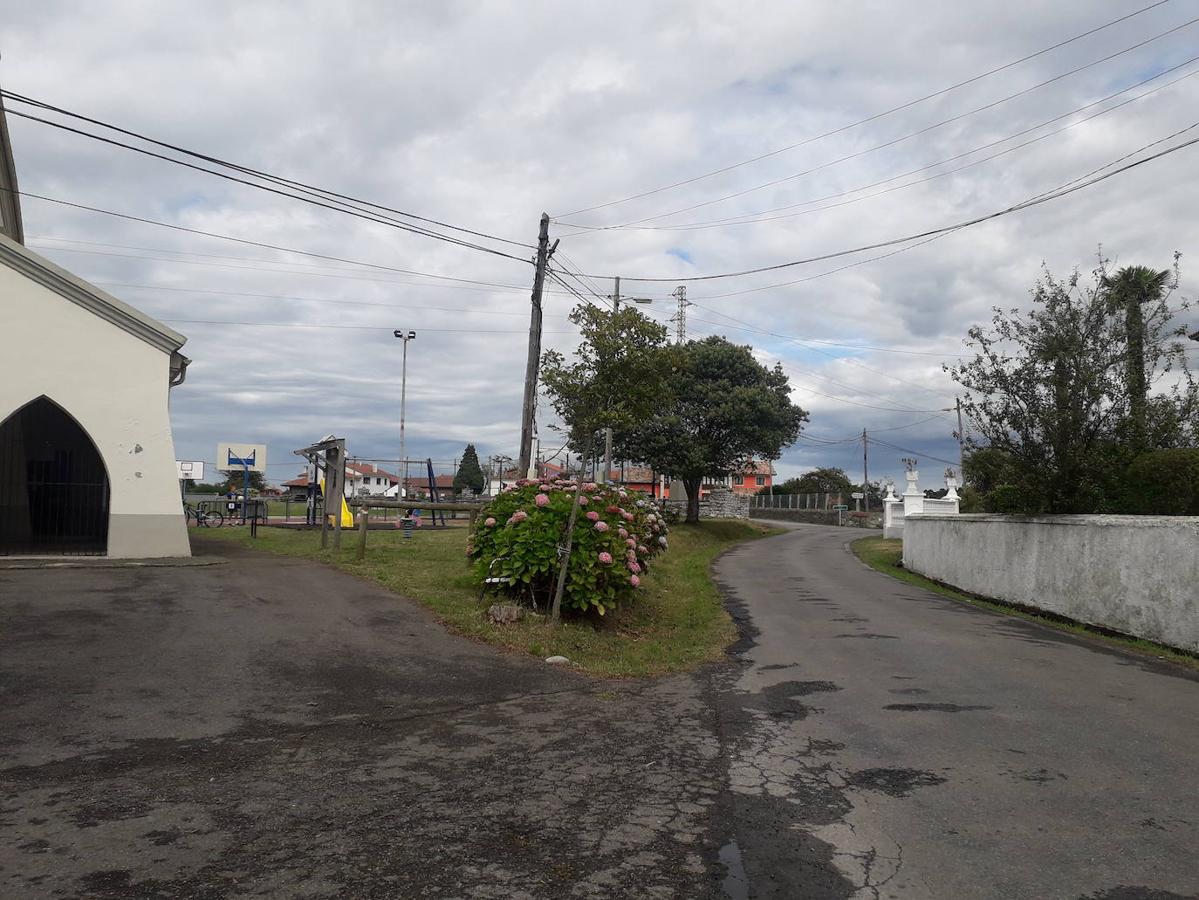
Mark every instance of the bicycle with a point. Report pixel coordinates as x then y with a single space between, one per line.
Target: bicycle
203 516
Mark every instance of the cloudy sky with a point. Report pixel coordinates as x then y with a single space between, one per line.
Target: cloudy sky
483 115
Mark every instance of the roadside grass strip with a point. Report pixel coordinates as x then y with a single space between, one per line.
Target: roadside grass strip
677 622
886 556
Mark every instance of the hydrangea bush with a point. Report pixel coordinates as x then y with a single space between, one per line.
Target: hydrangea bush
617 533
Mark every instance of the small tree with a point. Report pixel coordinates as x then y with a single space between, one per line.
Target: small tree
470 474
726 409
235 480
828 480
617 379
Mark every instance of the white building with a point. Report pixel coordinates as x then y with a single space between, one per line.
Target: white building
87 463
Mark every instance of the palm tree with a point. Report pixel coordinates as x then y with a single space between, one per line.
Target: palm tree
1131 288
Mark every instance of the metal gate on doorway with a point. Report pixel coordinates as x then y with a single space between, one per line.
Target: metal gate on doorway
54 490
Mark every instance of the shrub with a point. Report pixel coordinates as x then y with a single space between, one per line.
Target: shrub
1164 483
616 534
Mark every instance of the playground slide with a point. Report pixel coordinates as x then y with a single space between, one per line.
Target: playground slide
347 520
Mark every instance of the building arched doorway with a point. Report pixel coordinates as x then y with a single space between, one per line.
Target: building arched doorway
54 491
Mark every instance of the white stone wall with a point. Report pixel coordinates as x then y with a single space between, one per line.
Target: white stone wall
1135 574
116 387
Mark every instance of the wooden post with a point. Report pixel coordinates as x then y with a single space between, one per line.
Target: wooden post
363 521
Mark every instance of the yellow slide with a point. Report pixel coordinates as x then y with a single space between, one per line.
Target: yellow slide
347 520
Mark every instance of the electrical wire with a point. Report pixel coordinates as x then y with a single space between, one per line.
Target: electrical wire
766 215
1019 207
874 117
378 219
387 328
948 462
912 134
276 179
245 241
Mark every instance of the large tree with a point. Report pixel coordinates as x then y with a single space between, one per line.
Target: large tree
470 474
1049 393
722 409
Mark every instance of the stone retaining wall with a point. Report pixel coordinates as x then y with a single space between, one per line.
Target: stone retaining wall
1134 574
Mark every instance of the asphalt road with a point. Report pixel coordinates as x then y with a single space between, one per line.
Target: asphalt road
884 741
270 727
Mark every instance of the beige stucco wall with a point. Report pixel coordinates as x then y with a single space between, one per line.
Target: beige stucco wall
115 385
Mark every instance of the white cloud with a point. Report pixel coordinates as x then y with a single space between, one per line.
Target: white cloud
485 115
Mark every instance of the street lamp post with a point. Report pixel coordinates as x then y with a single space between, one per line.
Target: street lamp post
616 298
404 336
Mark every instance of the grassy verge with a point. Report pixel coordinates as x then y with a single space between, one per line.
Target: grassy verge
885 555
677 623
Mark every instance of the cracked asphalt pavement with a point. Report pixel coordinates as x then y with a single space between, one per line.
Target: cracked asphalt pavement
271 727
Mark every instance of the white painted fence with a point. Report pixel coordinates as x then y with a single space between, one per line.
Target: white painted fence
1134 574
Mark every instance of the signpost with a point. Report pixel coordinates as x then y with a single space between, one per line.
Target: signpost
841 508
857 496
245 458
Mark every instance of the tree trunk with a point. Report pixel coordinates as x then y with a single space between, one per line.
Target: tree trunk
692 485
1137 388
560 587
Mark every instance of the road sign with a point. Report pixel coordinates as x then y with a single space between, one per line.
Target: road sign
193 470
841 506
236 457
857 495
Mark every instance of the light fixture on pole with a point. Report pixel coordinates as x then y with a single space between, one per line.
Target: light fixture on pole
404 336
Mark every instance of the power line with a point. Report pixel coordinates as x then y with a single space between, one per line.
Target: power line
378 219
873 117
918 132
321 300
1027 204
387 328
245 241
948 462
765 215
307 188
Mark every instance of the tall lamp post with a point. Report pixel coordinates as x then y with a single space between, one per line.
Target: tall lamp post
404 336
616 298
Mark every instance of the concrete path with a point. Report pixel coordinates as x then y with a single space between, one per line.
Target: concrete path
884 741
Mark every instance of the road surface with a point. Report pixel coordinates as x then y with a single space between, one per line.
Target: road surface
884 741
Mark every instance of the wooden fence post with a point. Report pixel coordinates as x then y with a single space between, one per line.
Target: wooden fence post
363 520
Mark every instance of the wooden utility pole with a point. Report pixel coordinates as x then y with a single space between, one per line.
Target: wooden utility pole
865 471
961 441
608 431
531 366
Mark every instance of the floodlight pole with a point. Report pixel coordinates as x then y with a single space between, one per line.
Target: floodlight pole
404 336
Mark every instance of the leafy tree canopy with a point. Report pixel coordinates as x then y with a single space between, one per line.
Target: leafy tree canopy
722 408
829 480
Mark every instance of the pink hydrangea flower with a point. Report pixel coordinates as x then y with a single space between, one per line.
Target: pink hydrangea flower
519 516
627 516
634 566
623 532
593 515
642 549
634 581
629 542
591 486
544 487
583 501
542 499
613 508
489 521
605 558
601 526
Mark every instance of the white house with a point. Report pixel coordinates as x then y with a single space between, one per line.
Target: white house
87 463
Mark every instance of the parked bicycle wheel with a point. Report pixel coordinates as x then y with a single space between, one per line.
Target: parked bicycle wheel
214 519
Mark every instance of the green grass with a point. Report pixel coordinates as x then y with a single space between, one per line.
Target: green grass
677 623
885 556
